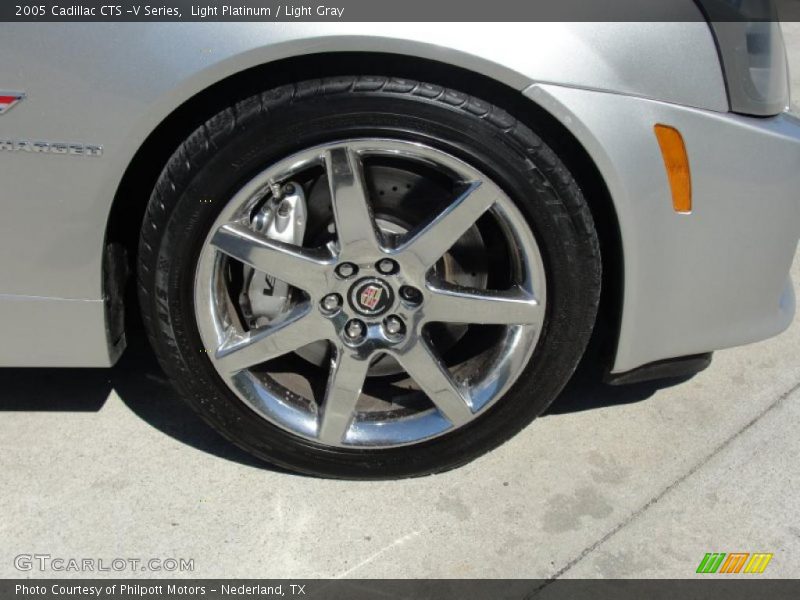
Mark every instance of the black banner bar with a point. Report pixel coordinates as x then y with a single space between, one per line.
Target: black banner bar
732 588
408 10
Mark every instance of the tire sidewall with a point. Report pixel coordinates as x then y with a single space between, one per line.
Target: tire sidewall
517 161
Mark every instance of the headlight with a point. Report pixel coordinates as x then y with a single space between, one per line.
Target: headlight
752 53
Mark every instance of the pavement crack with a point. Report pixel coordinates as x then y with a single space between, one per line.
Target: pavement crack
636 514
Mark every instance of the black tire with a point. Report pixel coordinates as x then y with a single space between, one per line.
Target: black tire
230 147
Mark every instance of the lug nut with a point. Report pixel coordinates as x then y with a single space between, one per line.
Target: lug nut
386 266
411 294
354 330
331 303
346 270
394 326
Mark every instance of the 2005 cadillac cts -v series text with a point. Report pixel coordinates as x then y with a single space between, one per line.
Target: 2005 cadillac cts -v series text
379 252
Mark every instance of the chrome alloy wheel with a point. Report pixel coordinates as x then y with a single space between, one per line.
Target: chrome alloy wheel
369 294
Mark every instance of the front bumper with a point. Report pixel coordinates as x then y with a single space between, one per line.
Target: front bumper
717 277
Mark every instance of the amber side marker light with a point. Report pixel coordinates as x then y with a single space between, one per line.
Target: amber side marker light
676 163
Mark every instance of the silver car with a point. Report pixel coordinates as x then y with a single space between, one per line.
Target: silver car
380 251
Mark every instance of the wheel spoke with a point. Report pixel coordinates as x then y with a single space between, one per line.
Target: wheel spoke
424 367
301 327
355 226
463 305
431 242
295 265
341 396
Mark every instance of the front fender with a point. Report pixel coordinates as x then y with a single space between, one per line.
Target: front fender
113 84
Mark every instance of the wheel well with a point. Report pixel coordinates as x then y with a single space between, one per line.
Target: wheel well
133 193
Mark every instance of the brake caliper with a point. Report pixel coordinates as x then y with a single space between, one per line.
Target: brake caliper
282 218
